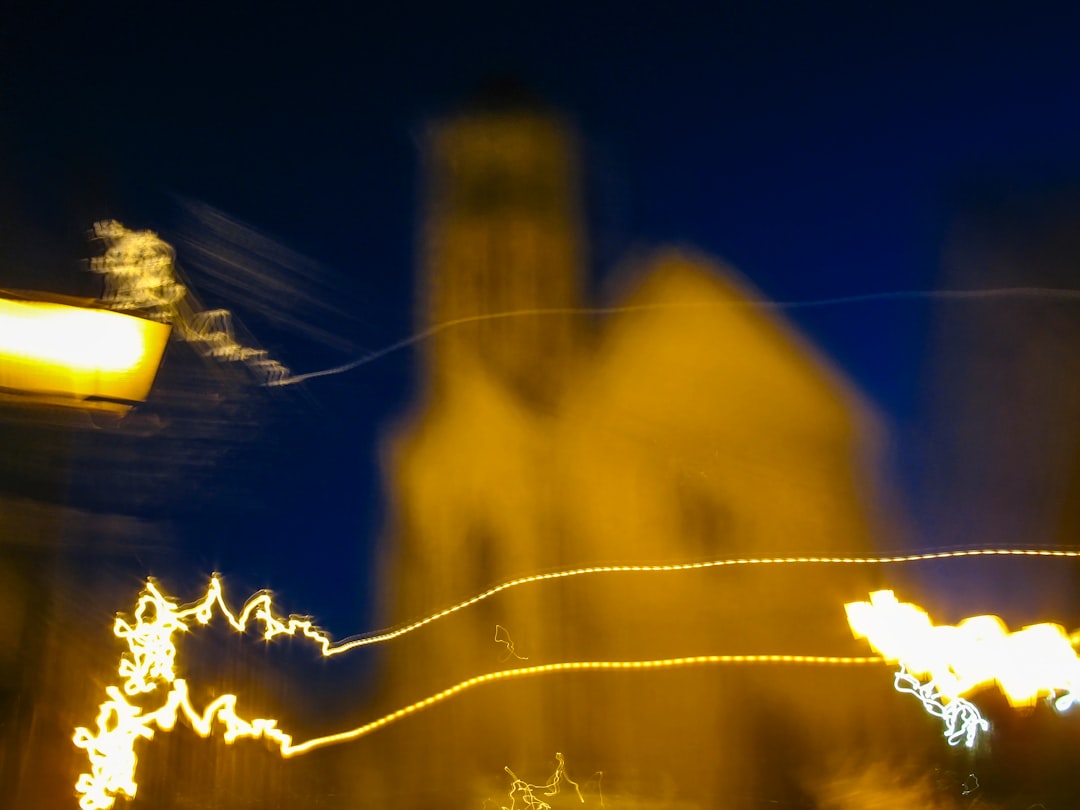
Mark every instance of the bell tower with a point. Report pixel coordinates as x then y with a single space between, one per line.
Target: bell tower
501 245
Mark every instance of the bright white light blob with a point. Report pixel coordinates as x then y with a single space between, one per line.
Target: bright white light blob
1036 661
75 351
83 339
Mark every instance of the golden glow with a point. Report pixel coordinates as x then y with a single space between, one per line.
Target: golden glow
148 667
1036 661
49 348
83 339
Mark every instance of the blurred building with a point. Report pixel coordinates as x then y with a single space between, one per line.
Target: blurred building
690 422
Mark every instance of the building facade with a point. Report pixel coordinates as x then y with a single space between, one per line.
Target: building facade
688 422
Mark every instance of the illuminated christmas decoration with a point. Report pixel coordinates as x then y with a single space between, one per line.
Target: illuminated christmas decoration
140 276
671 568
1037 661
148 667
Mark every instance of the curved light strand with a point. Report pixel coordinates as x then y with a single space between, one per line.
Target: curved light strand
149 665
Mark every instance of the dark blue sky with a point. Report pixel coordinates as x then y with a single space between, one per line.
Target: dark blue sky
823 149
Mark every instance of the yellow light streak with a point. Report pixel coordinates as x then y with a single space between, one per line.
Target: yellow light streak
390 634
571 666
148 666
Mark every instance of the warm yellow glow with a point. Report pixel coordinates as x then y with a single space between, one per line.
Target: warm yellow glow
83 339
1036 661
49 348
148 667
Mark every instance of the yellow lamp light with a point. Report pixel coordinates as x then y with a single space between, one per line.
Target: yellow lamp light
62 352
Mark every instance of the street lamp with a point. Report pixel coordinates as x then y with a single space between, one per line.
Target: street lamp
66 351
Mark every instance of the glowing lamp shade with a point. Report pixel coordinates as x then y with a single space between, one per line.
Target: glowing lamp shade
62 352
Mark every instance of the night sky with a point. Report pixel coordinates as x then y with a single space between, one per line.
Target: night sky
822 149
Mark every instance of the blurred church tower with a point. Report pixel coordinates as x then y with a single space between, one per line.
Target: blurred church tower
691 425
501 238
500 241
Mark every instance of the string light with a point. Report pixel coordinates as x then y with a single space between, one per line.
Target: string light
148 665
390 634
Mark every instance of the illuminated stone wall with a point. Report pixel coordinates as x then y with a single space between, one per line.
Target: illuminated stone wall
691 425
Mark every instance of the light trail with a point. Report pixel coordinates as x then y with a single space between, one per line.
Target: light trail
502 636
120 724
149 664
388 635
1036 661
1023 293
519 788
139 269
573 666
140 274
962 718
